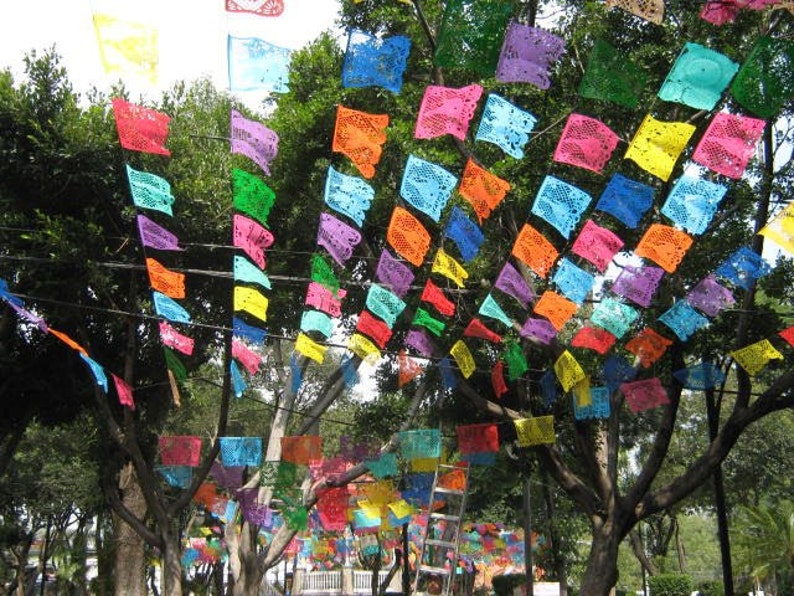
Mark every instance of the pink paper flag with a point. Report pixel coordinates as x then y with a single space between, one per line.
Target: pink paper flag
252 238
247 357
729 143
323 299
445 110
173 339
645 394
124 392
586 143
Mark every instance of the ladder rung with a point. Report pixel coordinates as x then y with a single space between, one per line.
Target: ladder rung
445 517
449 491
431 569
436 542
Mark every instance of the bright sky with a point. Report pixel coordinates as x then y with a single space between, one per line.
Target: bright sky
192 36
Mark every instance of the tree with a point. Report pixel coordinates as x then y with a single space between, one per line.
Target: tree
766 541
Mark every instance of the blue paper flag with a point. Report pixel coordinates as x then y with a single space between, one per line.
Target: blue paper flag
703 375
427 186
242 329
466 234
373 62
574 282
598 408
97 370
238 383
616 371
625 199
743 268
348 195
683 319
560 204
692 203
255 64
168 308
505 125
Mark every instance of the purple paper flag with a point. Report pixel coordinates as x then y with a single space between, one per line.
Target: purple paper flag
254 140
338 238
230 477
420 341
155 236
539 329
29 316
512 283
394 274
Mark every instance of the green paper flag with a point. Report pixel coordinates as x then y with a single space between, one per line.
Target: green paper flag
423 318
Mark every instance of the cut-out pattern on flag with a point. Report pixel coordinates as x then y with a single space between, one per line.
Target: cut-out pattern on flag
373 62
657 145
538 430
617 370
384 304
683 320
180 450
465 361
755 357
614 316
505 125
765 81
700 376
719 12
348 195
360 136
162 279
364 348
568 370
176 476
698 77
593 338
498 379
557 309
301 450
560 204
127 47
645 394
728 143
245 271
476 328
638 284
612 76
262 8
252 238
445 265
427 186
323 299
385 465
140 128
173 339
538 329
512 283
743 268
255 64
482 189
420 444
245 356
150 191
408 237
585 143
534 250
124 392
710 297
408 367
490 308
517 364
251 301
648 346
394 274
527 54
466 234
663 245
241 451
625 199
338 238
251 195
471 35
446 110
477 438
599 406
155 236
419 340
780 229
573 281
253 140
596 244
434 295
374 328
168 308
314 320
650 10
692 203
424 319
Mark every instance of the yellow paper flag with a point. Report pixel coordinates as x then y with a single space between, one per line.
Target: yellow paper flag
568 370
362 347
401 508
780 229
306 346
657 145
581 391
460 352
755 357
251 301
449 268
127 47
537 430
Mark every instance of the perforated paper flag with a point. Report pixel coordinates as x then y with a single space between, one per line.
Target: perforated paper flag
539 330
683 320
127 47
424 319
585 142
363 348
743 268
728 143
710 297
657 145
512 283
505 125
534 250
306 346
180 450
262 8
254 140
698 77
150 191
384 304
124 392
245 271
648 346
408 236
348 195
537 430
421 443
573 281
252 238
374 328
241 451
338 238
162 279
434 295
409 368
700 376
155 236
313 320
638 284
645 394
498 379
173 339
98 372
593 338
257 65
476 328
556 308
755 357
446 110
68 341
140 128
568 370
466 234
360 136
692 203
517 363
527 54
301 449
780 229
427 186
477 438
614 316
251 195
597 244
490 308
626 199
765 81
323 299
419 340
393 274
664 245
617 370
448 267
463 357
251 301
245 356
650 10
168 308
612 76
560 204
373 62
599 406
483 190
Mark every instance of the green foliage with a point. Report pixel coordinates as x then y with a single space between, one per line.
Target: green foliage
711 588
504 585
764 538
670 584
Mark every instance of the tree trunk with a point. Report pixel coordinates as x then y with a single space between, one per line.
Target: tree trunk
130 564
171 565
246 572
601 572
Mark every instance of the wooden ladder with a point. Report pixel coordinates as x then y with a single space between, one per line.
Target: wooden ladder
439 557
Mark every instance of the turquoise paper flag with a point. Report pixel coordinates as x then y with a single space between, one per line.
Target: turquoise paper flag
246 271
97 370
168 308
150 191
490 308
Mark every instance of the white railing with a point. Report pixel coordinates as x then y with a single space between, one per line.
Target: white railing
362 581
322 582
268 589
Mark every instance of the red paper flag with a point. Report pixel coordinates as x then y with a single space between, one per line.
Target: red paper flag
409 368
476 328
124 392
498 379
435 296
141 129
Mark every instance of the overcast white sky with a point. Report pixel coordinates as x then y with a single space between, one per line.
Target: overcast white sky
192 35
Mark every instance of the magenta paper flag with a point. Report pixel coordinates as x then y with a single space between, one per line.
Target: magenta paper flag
338 238
173 339
596 244
323 299
729 143
262 8
155 236
645 394
247 357
252 238
446 110
253 140
124 392
586 143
